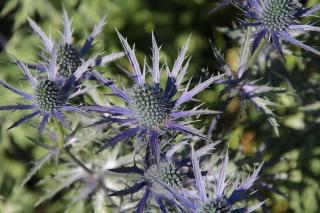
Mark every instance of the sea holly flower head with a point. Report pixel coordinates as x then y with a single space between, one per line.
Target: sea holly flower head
151 104
238 85
166 170
221 200
276 20
151 110
50 96
69 57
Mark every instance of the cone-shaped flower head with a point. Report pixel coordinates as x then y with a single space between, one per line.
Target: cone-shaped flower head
275 20
221 201
69 57
156 175
50 95
151 110
166 172
151 105
277 15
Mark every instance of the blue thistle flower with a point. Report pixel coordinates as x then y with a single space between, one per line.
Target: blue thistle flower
238 85
69 58
274 20
151 110
50 95
166 170
220 201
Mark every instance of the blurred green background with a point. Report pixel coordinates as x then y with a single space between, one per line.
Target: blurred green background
293 158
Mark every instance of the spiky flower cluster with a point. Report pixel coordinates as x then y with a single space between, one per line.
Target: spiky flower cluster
50 95
153 117
219 202
275 20
69 58
237 85
166 172
151 110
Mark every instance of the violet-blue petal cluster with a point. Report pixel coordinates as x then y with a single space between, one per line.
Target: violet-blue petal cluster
152 111
277 20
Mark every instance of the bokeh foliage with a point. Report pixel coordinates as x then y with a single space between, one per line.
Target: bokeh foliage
293 158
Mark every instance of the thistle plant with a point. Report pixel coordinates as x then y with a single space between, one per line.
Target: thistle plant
220 201
238 85
69 57
153 111
168 164
50 96
275 20
167 170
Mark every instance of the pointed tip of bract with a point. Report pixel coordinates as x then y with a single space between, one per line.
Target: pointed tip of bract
118 33
10 127
30 20
52 72
104 19
139 78
155 60
84 67
186 44
33 25
67 22
45 39
189 38
66 18
99 26
64 11
219 5
177 67
154 41
258 169
124 42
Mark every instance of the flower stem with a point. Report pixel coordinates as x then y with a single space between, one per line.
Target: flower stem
60 134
